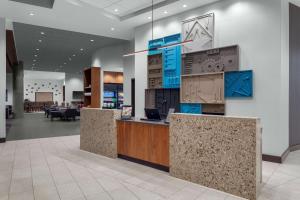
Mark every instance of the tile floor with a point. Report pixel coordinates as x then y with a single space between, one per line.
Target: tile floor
55 169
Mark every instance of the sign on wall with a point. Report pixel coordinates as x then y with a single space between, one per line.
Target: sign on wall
201 31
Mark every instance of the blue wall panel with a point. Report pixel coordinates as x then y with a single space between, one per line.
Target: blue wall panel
172 62
155 44
192 108
239 84
171 59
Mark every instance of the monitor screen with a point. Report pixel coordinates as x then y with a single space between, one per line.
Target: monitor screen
78 94
109 94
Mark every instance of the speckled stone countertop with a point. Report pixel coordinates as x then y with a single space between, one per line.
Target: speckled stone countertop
98 131
219 152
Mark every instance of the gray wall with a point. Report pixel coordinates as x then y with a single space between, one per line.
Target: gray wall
294 75
3 77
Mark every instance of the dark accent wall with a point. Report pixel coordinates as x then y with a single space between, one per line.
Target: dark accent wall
18 90
294 76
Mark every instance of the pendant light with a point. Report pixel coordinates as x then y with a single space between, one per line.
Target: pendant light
157 48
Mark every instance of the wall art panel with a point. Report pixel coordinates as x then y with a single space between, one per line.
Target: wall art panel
201 31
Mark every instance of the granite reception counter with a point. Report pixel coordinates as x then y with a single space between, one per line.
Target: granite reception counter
98 131
223 153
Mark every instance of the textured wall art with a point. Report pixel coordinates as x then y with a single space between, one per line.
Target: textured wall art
33 86
155 71
239 84
201 31
206 89
210 61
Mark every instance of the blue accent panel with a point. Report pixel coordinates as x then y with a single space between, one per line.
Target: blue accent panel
172 62
171 59
239 84
155 44
193 108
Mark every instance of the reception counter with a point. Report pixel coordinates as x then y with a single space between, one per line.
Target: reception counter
144 142
98 131
223 153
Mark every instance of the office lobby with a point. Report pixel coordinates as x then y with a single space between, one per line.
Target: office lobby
149 100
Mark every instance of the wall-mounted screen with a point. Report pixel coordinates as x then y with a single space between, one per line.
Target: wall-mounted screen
109 94
78 94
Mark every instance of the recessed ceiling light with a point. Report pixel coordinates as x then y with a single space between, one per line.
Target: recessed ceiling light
184 5
74 55
81 49
33 64
42 33
112 28
31 14
92 40
40 40
35 55
116 10
165 12
149 17
37 49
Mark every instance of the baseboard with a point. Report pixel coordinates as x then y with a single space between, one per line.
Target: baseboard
295 148
2 140
276 159
146 163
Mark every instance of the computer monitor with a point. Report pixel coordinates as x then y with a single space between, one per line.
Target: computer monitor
152 114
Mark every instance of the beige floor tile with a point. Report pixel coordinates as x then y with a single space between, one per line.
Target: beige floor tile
46 193
100 196
43 180
22 196
21 185
90 187
122 194
69 191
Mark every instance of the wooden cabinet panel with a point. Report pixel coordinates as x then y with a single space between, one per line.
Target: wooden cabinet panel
121 137
159 149
144 141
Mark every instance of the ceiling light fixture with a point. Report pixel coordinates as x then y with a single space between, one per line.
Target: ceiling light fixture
65 63
37 49
116 10
31 14
74 55
92 40
163 47
70 59
81 49
112 29
40 40
184 6
165 12
35 55
42 33
34 60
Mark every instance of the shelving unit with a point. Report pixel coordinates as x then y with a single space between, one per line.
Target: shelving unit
92 87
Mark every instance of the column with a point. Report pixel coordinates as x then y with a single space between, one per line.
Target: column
18 90
2 80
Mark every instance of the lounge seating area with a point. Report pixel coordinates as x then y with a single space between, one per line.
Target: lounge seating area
62 113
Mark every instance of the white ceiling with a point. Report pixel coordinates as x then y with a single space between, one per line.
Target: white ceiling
96 17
